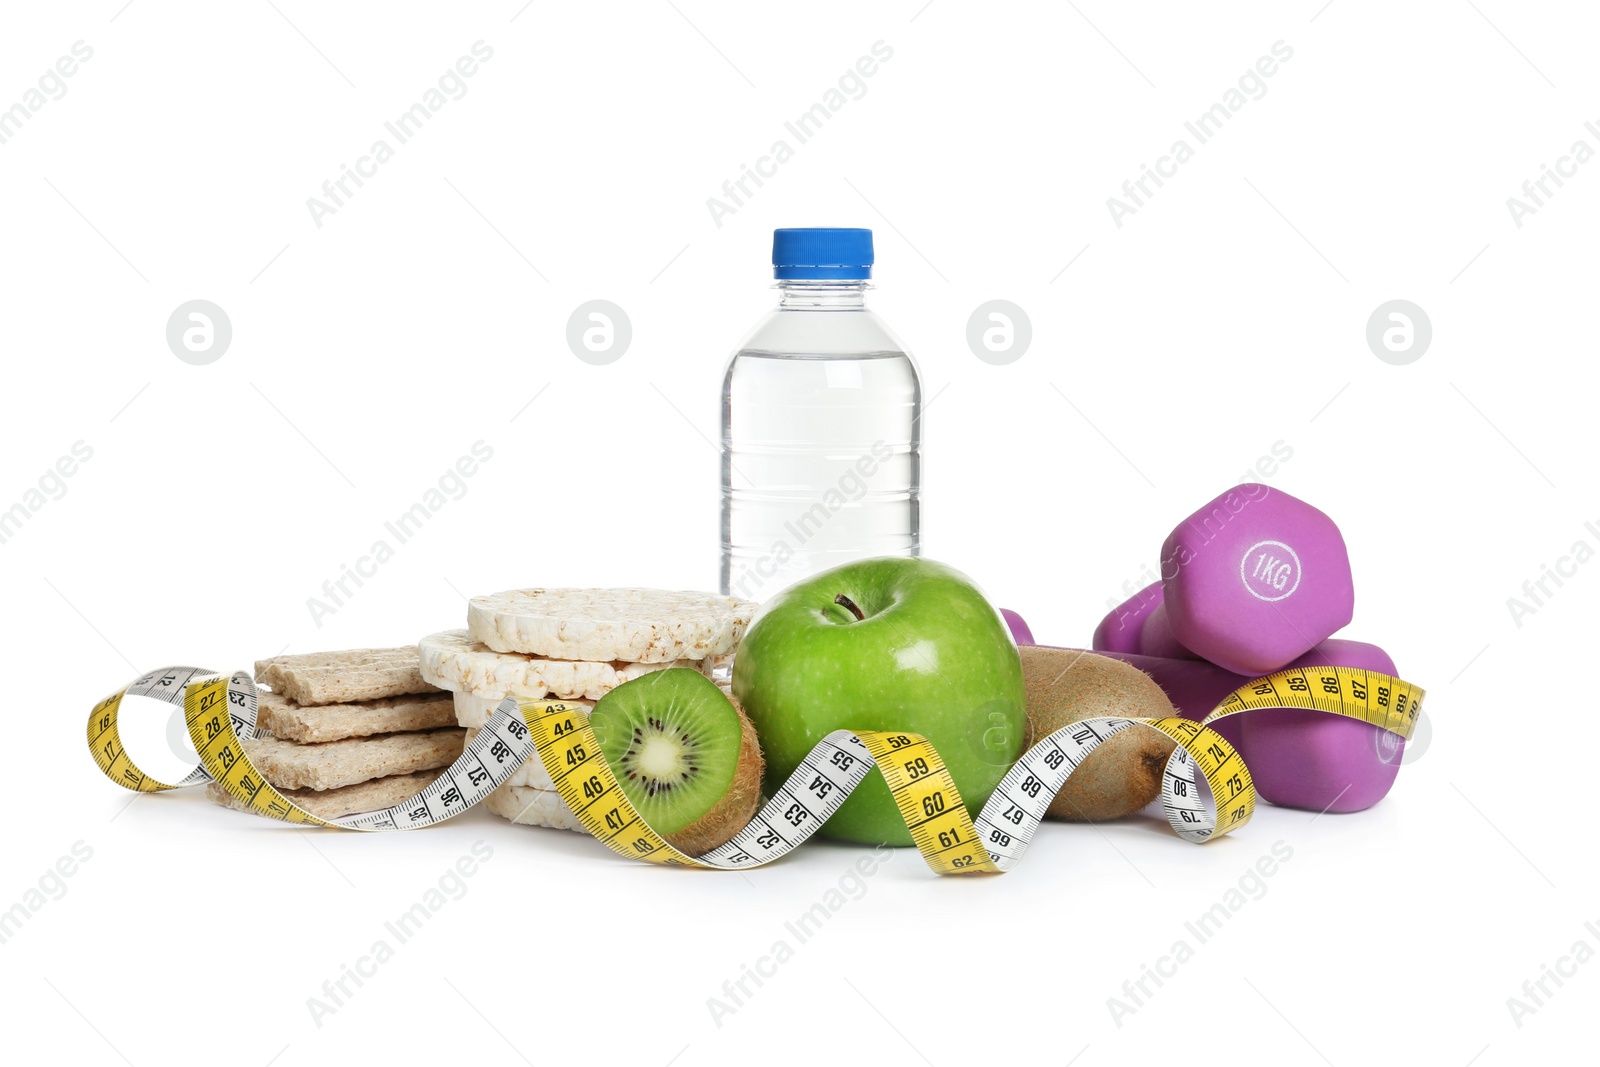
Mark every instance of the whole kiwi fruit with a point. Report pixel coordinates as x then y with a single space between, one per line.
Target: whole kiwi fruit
1124 773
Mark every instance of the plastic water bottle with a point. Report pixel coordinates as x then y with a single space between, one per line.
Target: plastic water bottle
821 424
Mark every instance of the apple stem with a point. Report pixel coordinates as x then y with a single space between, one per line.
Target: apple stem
846 602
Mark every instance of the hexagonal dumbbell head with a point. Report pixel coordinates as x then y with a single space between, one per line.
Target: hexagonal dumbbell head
1320 762
1254 579
1157 638
1122 628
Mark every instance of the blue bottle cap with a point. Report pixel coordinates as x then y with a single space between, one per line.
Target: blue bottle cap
821 252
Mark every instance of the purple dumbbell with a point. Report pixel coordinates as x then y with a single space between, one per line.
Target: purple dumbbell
1298 758
1157 638
1018 627
1122 627
1254 579
1249 582
1139 625
1310 759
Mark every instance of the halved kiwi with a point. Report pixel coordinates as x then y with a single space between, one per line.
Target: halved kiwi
685 755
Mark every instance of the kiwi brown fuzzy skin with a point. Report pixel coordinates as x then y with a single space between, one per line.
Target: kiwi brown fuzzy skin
1124 773
730 814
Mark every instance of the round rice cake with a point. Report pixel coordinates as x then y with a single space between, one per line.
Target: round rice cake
637 625
453 660
473 710
532 807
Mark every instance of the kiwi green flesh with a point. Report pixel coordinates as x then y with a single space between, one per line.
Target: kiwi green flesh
719 825
672 738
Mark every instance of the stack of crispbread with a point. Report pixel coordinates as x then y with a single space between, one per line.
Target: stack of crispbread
574 645
347 732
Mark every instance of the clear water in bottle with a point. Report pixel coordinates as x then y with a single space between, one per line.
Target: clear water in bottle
821 425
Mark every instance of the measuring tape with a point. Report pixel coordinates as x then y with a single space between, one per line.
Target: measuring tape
951 841
220 712
1376 699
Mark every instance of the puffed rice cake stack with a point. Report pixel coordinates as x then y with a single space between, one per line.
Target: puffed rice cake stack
574 645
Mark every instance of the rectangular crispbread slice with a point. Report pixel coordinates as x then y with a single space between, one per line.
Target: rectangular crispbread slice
374 795
311 678
340 763
282 717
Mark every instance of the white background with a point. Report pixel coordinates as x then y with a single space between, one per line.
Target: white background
1226 315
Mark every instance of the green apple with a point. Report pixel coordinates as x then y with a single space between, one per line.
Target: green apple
884 644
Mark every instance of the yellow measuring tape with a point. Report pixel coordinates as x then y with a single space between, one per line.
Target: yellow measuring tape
220 711
1377 699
